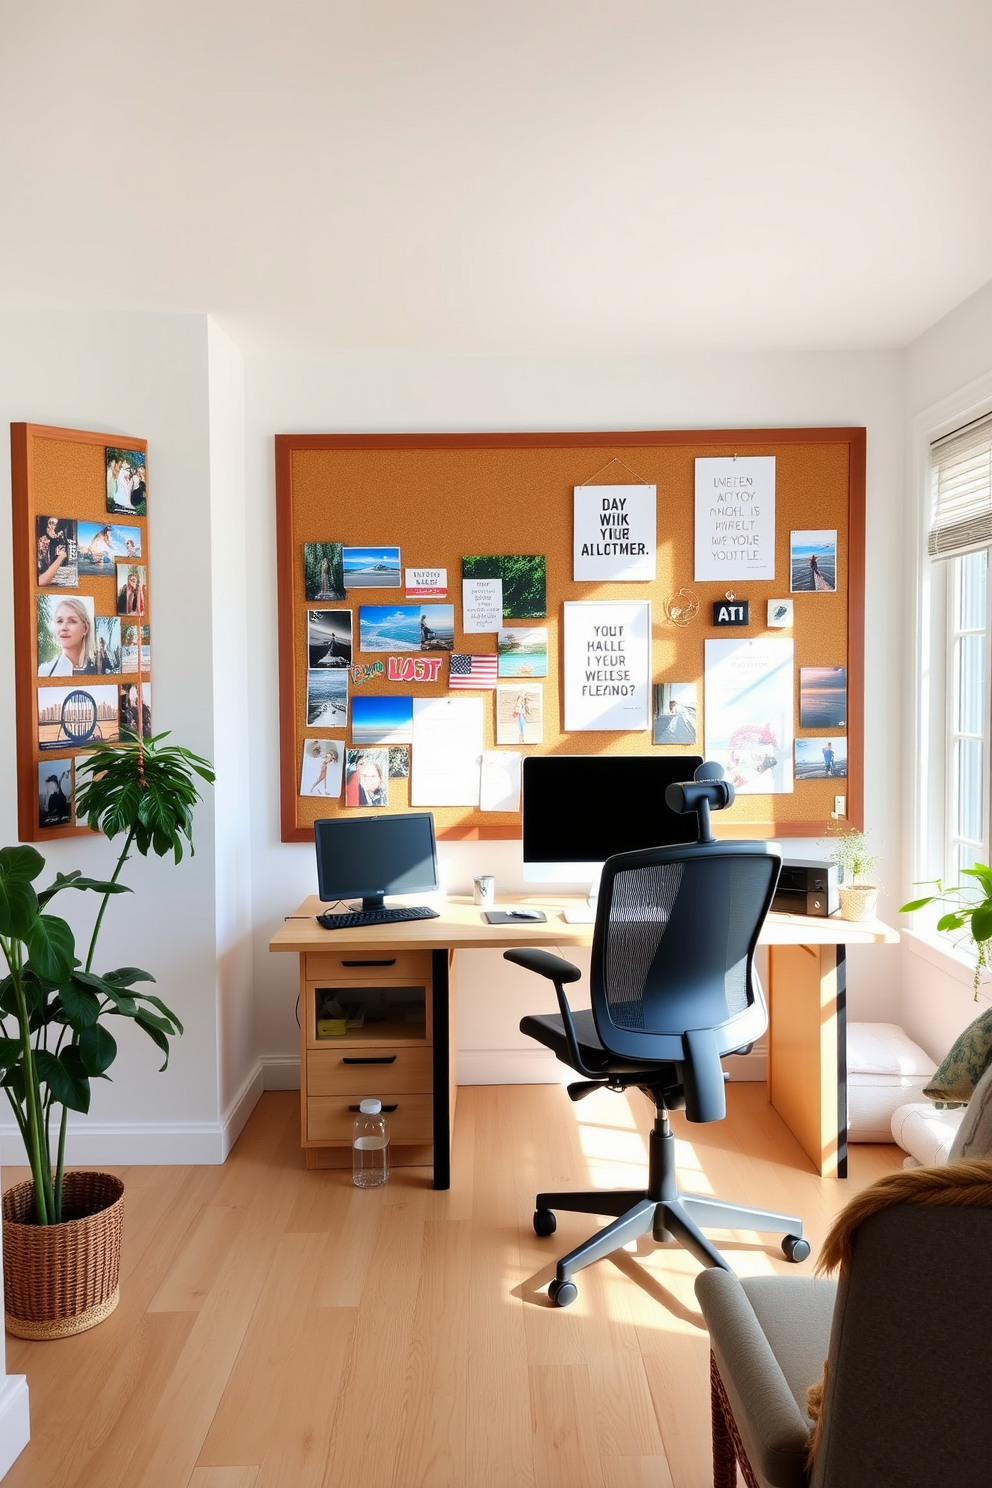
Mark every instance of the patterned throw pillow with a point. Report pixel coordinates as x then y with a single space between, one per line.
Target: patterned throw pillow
974 1135
964 1065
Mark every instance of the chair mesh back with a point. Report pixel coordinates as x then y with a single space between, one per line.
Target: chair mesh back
677 941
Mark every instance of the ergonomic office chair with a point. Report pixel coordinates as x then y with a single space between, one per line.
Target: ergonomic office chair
673 989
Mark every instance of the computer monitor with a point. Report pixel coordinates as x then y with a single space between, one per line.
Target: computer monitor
580 809
368 857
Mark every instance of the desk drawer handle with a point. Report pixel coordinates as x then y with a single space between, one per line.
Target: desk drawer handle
385 1108
391 962
372 1059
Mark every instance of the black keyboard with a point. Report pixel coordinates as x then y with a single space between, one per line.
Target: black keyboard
354 918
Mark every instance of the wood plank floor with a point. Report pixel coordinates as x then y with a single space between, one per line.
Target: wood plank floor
279 1328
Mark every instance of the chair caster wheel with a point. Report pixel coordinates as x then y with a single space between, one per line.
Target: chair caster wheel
544 1222
563 1292
795 1249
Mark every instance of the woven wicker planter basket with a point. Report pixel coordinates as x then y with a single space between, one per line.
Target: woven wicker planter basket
62 1279
858 901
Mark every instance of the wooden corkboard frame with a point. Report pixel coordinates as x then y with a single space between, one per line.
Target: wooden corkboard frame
440 497
63 471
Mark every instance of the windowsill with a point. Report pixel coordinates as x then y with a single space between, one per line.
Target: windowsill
951 961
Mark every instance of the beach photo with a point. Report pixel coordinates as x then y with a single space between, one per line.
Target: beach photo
328 638
323 571
366 777
55 793
524 580
813 562
382 720
674 717
128 710
127 490
519 715
327 697
102 544
129 646
523 652
821 759
108 644
372 568
66 635
406 627
822 697
323 765
72 716
56 552
132 589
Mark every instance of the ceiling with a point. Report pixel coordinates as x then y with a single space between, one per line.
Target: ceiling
527 176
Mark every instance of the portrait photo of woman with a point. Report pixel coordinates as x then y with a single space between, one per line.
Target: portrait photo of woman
366 778
66 636
132 598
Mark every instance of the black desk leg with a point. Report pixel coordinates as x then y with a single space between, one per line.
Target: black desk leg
841 1061
442 1069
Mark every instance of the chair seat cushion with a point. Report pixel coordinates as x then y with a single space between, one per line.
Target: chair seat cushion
549 1030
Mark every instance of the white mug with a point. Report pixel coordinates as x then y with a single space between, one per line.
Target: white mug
484 893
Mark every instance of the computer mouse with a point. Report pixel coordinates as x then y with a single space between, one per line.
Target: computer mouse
527 914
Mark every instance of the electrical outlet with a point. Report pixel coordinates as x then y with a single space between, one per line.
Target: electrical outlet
840 805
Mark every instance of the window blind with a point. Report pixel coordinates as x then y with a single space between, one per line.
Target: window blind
961 466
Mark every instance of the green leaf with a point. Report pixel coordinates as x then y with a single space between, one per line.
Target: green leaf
80 1004
18 900
981 922
52 948
983 873
917 904
10 1052
126 976
76 880
13 1079
166 1011
97 1049
951 921
156 1036
65 1077
23 863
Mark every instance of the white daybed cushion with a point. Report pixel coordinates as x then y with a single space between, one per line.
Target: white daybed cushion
926 1133
885 1070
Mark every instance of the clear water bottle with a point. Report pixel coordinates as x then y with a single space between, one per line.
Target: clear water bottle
370 1146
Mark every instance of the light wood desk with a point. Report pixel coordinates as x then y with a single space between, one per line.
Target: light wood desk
807 994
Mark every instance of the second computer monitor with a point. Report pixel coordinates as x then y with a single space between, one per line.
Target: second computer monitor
580 809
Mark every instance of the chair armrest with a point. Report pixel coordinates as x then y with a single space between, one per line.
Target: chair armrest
555 968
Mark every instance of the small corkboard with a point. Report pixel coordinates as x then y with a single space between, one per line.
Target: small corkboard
440 498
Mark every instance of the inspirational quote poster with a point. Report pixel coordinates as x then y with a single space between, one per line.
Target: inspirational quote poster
607 665
750 708
613 533
735 518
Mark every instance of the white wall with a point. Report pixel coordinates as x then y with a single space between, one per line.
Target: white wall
300 394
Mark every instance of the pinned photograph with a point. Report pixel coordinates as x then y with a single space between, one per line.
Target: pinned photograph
56 552
822 697
55 793
327 697
323 571
471 671
523 652
132 589
129 646
328 638
323 766
371 568
66 635
674 713
101 545
406 627
127 489
813 562
75 717
524 580
821 759
519 715
132 716
382 720
399 762
780 614
108 645
367 777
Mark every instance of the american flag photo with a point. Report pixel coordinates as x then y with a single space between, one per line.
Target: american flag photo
471 671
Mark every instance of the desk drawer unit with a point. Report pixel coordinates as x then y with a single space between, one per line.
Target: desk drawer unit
331 1118
347 966
357 1069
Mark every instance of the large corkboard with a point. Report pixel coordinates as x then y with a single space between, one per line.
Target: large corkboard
441 497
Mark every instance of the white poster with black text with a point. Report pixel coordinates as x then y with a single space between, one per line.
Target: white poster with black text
735 518
607 665
613 531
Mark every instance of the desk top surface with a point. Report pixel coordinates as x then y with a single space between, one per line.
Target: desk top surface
462 926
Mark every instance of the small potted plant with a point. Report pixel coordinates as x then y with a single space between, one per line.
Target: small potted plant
970 912
858 886
61 1231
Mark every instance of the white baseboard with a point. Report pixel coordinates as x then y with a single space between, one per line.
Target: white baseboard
280 1071
241 1108
15 1419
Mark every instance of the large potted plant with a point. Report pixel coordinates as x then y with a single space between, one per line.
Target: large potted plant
969 916
858 888
61 1231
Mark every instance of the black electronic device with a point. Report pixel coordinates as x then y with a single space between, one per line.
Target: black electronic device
580 809
367 857
807 886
